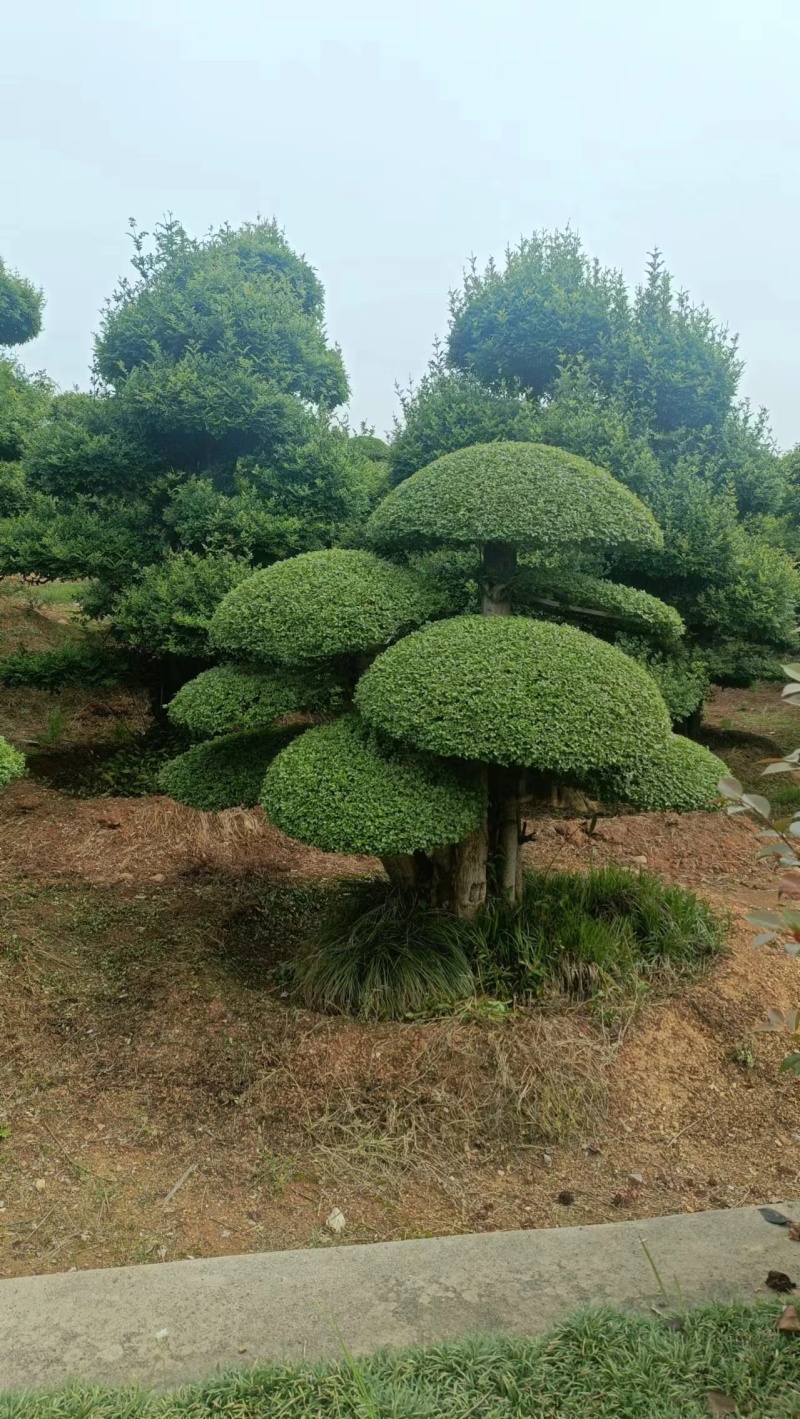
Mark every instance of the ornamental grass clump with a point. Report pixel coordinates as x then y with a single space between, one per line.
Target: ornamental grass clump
433 732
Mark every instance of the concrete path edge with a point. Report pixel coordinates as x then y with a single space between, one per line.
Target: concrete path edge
164 1324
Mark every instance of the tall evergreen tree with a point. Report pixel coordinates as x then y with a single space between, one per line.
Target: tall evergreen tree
553 347
207 444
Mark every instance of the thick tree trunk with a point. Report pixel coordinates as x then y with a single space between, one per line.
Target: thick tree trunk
412 873
459 874
499 566
505 832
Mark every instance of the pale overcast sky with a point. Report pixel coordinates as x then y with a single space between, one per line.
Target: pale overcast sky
393 141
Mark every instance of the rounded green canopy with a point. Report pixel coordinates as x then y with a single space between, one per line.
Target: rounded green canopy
340 789
12 763
226 772
526 494
321 605
233 697
509 690
679 777
595 600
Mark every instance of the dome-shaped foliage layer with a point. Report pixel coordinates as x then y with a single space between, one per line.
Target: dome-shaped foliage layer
509 690
528 494
340 789
233 697
224 773
678 777
320 605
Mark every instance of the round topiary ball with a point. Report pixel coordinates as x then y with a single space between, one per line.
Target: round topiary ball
338 788
679 777
321 605
12 763
509 690
526 494
232 697
226 772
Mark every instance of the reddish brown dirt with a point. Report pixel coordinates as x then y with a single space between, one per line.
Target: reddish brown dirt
132 1050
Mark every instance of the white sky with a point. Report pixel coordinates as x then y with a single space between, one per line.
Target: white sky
392 141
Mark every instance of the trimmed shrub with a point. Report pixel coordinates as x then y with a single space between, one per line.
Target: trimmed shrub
12 763
232 697
342 790
322 604
577 595
224 773
680 777
527 494
508 690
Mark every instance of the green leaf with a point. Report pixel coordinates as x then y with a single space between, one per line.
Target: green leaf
766 919
791 1062
793 671
758 803
730 787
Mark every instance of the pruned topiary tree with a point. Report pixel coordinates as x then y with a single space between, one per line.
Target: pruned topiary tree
437 728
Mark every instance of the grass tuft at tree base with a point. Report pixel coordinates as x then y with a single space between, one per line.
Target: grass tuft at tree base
379 954
601 1363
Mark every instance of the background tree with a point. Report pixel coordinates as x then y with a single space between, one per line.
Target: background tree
554 348
209 433
448 722
23 398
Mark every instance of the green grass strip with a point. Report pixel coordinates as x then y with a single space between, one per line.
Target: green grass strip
599 1365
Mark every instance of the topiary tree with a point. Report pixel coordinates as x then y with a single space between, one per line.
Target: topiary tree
552 348
446 723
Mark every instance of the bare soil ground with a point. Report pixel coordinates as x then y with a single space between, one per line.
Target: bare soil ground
160 1097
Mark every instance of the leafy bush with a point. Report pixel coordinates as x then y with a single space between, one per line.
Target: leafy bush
378 954
12 763
171 605
226 772
231 697
90 662
740 664
339 788
527 494
322 604
449 410
510 690
682 674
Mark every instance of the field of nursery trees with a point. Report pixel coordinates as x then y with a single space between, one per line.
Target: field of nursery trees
396 826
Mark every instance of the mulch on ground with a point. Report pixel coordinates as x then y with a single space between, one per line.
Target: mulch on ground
146 1046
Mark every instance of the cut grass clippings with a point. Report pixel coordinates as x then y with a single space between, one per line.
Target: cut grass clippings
603 1364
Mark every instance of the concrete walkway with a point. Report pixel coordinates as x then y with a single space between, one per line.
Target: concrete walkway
164 1324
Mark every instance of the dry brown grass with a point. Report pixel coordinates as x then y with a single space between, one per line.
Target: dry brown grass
429 1102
